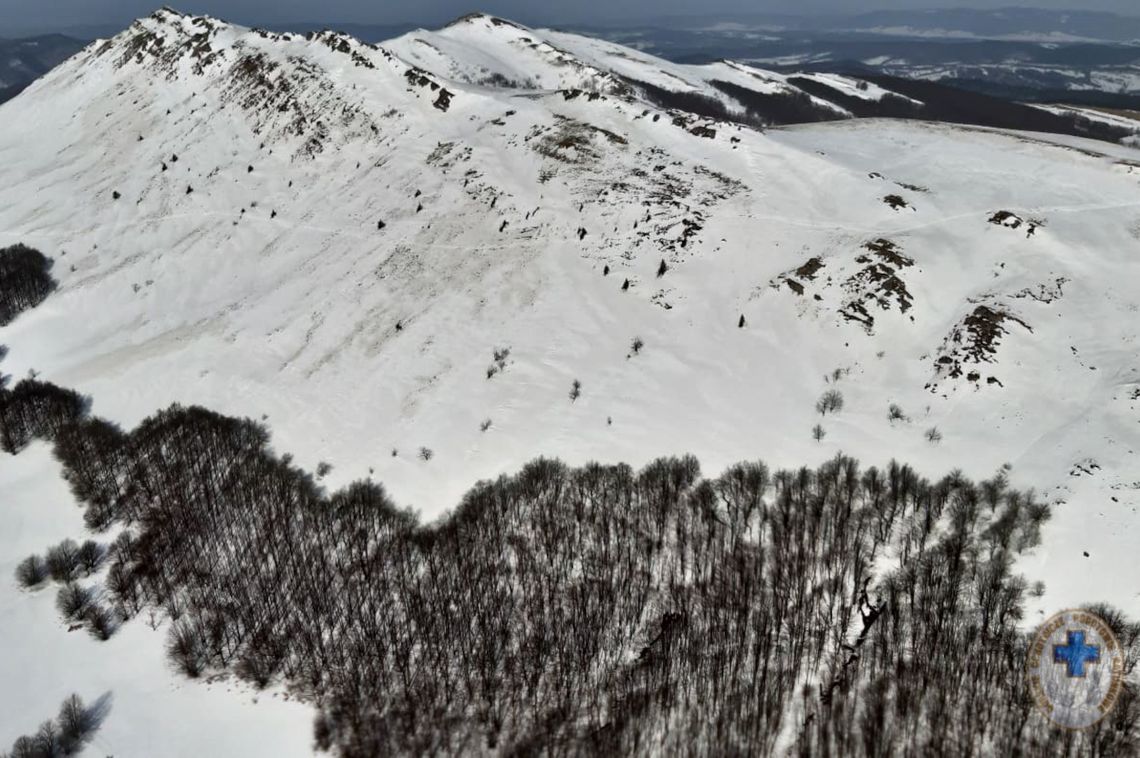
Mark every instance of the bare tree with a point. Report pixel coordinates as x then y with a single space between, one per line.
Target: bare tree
829 402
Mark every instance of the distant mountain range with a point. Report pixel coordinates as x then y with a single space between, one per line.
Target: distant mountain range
1076 57
961 23
1084 57
1022 54
22 61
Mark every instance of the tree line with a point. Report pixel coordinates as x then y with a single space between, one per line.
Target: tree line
839 610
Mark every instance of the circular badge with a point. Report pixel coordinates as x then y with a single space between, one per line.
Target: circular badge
1075 669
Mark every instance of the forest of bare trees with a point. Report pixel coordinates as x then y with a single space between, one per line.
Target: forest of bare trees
592 611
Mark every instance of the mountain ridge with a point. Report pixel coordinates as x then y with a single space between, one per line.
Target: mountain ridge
431 291
280 220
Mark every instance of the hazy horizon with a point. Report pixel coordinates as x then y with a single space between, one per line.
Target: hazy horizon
69 16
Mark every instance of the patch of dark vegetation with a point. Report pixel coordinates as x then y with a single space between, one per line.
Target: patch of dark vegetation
810 269
1011 220
795 278
68 734
36 410
889 106
1044 293
773 109
344 44
443 100
914 187
887 251
957 106
575 142
32 572
574 94
25 280
895 413
694 104
499 357
877 282
499 81
896 202
589 611
419 78
974 340
829 402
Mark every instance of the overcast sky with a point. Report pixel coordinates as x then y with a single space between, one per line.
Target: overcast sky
22 15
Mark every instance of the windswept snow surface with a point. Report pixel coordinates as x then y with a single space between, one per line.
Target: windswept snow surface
250 275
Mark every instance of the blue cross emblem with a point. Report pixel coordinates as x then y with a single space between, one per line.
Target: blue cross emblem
1076 654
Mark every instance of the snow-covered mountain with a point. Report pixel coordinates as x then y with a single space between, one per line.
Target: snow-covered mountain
380 249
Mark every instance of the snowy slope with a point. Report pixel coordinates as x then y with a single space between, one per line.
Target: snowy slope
483 49
243 267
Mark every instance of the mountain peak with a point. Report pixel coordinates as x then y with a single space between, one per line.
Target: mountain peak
469 18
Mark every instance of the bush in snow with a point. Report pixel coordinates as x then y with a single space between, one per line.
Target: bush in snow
499 361
100 621
73 601
90 556
32 571
818 433
895 413
933 436
186 648
63 561
575 390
